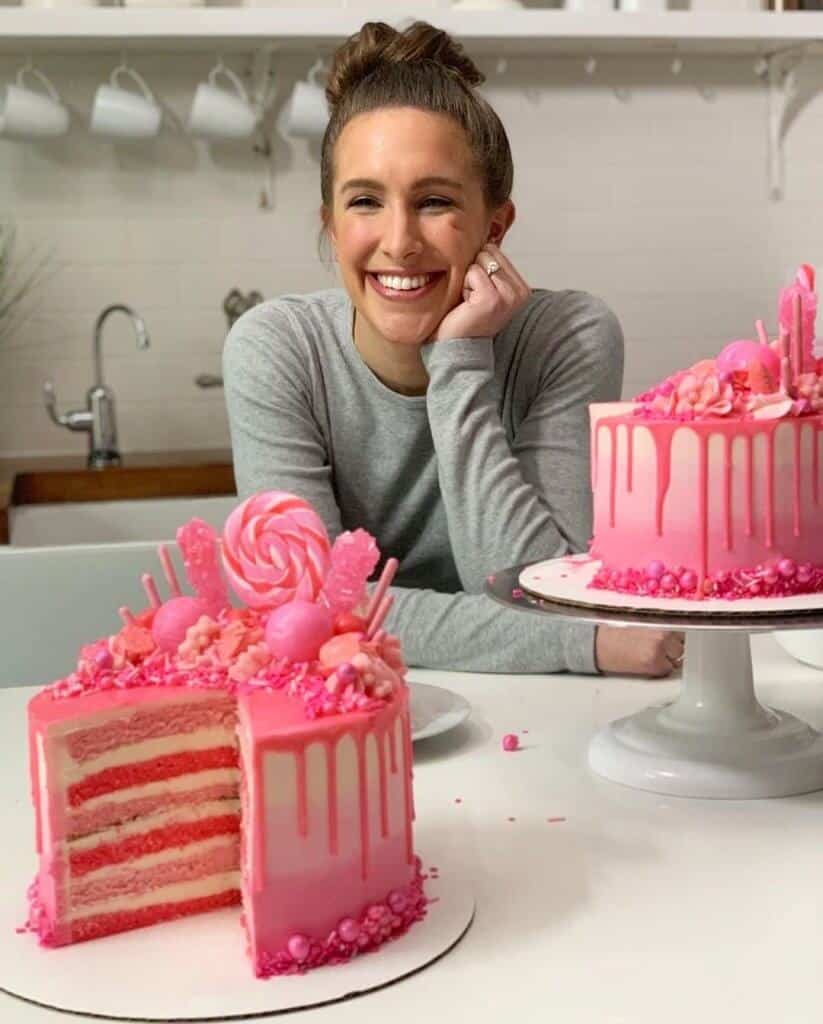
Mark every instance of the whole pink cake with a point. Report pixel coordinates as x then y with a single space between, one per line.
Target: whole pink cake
708 485
207 755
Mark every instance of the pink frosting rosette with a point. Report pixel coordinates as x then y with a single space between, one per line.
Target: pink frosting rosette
275 550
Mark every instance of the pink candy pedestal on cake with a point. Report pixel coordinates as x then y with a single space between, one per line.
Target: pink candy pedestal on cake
716 740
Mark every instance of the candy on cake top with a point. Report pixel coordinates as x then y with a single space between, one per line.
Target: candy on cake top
759 380
309 627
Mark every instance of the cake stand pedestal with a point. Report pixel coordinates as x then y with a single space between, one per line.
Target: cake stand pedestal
716 739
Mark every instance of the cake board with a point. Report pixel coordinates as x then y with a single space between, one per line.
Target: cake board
716 740
195 968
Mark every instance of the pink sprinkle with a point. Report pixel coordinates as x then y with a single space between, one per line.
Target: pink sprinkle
510 742
524 730
553 821
512 819
517 592
458 799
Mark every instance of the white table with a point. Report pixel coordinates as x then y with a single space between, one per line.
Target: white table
637 909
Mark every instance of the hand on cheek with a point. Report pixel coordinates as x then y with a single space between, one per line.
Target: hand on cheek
489 301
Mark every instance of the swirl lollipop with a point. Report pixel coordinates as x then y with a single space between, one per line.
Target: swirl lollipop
275 550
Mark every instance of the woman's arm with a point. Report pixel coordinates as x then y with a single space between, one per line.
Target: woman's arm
505 504
277 443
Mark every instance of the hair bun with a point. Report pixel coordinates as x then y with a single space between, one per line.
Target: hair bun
378 44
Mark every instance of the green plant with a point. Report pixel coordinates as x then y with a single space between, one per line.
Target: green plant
18 278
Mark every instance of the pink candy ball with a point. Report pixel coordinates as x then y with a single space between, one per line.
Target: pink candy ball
510 742
173 619
739 355
298 630
298 947
348 929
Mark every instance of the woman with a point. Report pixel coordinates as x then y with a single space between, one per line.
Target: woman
436 401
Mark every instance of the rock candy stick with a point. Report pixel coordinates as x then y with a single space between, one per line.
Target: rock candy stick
386 576
168 569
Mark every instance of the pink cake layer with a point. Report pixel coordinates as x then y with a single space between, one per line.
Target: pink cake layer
157 769
175 836
149 723
82 821
727 507
132 880
125 920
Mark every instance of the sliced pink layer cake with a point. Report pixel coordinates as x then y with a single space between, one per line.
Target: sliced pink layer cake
137 809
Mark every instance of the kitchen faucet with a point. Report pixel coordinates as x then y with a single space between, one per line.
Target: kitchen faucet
98 417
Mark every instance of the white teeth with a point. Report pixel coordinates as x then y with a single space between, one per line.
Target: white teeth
403 284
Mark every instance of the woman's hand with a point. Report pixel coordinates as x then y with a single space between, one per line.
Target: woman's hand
638 651
489 300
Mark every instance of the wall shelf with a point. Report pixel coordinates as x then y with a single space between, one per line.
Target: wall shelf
497 33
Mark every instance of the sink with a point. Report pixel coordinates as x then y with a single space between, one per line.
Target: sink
101 522
55 500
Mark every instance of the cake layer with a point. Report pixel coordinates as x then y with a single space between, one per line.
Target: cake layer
97 926
152 723
174 835
141 801
168 766
168 867
141 751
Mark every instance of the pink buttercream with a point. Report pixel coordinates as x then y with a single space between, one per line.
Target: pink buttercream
375 925
275 550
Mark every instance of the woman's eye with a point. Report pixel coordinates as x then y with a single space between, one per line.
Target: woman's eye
438 201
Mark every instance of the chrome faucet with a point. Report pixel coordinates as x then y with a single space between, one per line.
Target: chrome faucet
98 417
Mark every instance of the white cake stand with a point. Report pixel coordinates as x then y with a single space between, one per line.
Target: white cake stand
715 740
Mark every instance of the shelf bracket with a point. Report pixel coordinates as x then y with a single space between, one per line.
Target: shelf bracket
779 71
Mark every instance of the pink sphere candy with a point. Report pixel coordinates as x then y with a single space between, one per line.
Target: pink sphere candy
739 355
398 901
173 619
298 947
510 741
348 929
655 570
786 568
298 630
103 658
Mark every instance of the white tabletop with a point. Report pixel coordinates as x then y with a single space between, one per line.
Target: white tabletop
635 908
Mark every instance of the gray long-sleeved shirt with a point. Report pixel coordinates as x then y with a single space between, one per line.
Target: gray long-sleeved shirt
488 469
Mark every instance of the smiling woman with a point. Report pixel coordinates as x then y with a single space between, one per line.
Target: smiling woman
436 399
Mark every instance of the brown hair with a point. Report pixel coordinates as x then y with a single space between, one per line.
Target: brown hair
421 67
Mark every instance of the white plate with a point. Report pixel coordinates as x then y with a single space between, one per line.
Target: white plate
435 709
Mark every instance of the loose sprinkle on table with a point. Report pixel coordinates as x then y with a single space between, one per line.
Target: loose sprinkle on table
553 821
510 742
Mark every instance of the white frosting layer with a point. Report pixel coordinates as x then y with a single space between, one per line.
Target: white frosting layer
165 894
202 739
176 816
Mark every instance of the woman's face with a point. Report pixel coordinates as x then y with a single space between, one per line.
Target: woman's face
390 218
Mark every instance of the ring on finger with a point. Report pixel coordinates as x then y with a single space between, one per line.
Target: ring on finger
492 267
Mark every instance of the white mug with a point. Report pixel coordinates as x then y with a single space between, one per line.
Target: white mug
643 6
218 113
123 114
307 113
590 6
28 113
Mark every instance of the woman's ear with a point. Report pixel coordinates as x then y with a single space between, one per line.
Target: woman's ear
502 220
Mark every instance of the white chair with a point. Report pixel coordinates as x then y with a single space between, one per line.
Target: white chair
56 599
